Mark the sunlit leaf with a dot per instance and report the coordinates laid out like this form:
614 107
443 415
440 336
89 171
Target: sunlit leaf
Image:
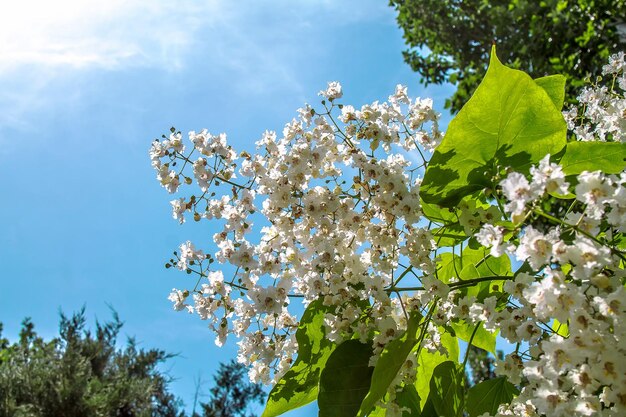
554 86
427 362
609 157
483 339
299 385
389 363
446 389
510 121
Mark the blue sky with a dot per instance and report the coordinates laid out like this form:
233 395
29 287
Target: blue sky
84 89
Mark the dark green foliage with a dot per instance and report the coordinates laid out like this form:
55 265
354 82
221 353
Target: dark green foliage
84 374
81 373
487 396
346 379
232 393
450 40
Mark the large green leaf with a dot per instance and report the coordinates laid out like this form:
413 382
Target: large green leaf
554 85
427 362
378 412
482 338
487 396
510 121
298 386
389 363
428 410
345 380
486 264
446 389
609 157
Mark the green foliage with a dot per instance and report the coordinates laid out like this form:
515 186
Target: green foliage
232 392
82 374
446 389
560 328
448 236
449 40
427 362
554 86
486 396
510 121
391 360
299 385
609 157
345 381
482 338
409 398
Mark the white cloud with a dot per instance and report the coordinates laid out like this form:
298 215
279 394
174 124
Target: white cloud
51 50
111 34
98 33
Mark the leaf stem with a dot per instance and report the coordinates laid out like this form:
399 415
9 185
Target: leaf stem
469 343
458 284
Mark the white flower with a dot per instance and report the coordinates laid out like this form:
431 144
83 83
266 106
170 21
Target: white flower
594 190
333 91
536 247
491 236
518 192
549 177
189 255
178 298
400 95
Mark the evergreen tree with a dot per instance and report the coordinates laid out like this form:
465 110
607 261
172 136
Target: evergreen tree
83 374
232 393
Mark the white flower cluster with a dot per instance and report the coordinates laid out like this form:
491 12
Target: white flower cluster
320 238
601 114
580 372
340 221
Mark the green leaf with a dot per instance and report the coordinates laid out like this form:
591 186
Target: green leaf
448 266
409 398
391 360
427 362
487 396
378 412
482 338
554 86
446 389
478 263
448 236
561 329
510 121
474 263
438 214
345 380
298 386
609 157
428 409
